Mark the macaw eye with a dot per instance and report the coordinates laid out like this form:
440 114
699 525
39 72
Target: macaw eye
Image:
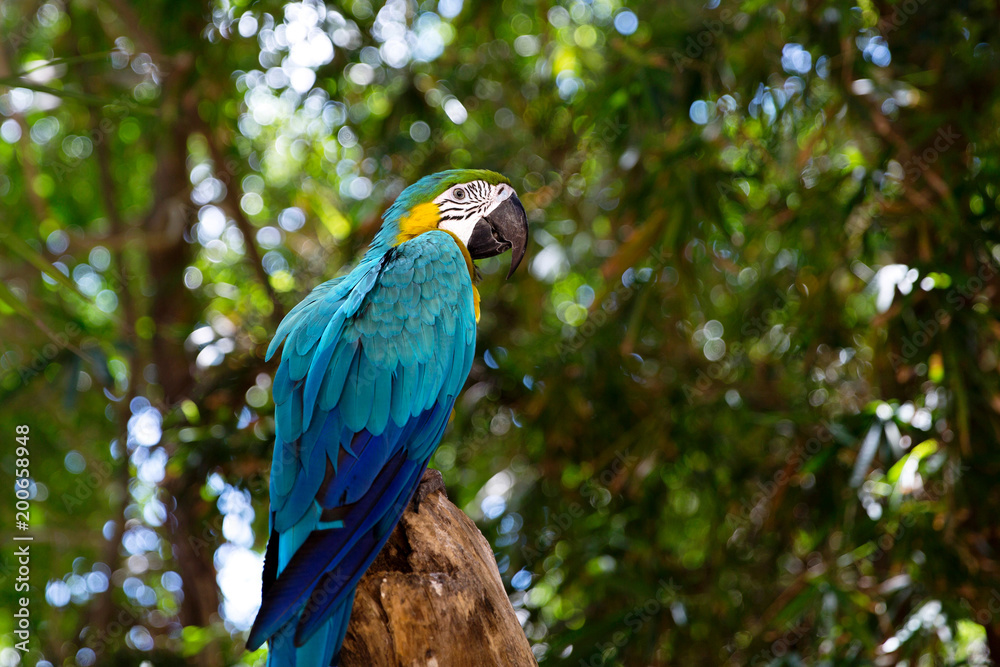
459 194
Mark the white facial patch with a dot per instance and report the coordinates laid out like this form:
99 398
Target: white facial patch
462 206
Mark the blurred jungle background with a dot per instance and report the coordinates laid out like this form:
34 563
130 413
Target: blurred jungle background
741 408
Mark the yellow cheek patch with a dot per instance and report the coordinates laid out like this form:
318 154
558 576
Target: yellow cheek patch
423 218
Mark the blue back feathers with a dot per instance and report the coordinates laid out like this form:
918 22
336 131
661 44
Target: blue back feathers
371 366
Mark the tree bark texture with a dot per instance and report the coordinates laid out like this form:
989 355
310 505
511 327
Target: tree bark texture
433 597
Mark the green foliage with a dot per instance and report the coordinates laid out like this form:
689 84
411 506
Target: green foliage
742 406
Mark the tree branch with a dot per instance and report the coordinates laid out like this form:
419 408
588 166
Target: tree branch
434 595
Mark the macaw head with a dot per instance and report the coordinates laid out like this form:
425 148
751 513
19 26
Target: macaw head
478 207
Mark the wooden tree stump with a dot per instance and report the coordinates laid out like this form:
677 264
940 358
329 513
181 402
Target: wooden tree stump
433 597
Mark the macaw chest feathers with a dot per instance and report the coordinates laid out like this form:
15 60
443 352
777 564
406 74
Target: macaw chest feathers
424 218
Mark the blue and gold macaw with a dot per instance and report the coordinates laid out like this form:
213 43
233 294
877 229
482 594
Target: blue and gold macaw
371 367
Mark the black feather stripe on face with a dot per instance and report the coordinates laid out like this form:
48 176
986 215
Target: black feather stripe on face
477 199
460 215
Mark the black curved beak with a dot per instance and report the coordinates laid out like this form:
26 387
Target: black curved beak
506 228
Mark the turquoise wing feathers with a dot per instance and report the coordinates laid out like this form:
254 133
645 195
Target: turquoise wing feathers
371 366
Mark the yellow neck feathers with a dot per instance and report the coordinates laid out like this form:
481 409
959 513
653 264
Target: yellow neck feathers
424 218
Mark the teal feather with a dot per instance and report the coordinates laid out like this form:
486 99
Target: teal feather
419 273
400 402
307 481
374 348
341 440
433 377
405 275
390 293
297 534
282 479
409 295
333 380
298 364
320 363
413 325
448 318
381 403
423 342
367 326
411 386
355 402
301 341
429 310
288 418
456 370
397 349
405 353
282 386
